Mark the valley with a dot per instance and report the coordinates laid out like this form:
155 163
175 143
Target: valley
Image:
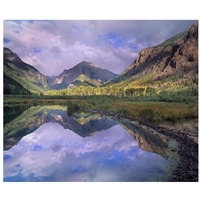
167 72
154 102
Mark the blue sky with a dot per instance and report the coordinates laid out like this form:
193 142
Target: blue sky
6 40
52 46
66 156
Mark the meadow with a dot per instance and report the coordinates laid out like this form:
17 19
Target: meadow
129 107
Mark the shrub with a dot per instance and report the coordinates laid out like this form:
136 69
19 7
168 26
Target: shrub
72 108
146 113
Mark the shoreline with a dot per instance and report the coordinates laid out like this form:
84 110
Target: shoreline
187 170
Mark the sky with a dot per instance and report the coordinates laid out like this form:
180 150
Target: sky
54 45
51 153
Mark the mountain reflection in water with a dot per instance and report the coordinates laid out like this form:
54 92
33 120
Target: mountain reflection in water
45 144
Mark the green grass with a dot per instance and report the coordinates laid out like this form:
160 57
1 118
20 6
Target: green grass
160 107
173 40
152 111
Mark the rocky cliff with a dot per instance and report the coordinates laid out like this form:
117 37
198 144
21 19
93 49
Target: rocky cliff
177 55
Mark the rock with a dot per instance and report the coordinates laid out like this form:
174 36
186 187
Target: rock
176 56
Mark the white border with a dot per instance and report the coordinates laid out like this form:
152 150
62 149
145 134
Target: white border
91 9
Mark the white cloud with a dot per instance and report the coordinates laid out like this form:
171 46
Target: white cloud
63 44
59 154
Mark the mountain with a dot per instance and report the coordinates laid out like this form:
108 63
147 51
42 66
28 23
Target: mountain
88 69
13 87
177 56
83 80
32 118
83 124
22 76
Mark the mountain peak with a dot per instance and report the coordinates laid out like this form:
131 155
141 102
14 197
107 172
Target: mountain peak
85 63
10 55
85 69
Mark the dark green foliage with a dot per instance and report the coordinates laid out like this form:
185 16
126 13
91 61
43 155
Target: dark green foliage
22 73
150 91
147 113
72 108
124 112
195 79
12 87
135 92
83 83
11 112
95 100
172 41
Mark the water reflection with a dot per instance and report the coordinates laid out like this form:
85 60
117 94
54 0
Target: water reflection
84 147
82 124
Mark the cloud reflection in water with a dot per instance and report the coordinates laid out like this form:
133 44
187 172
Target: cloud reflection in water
52 153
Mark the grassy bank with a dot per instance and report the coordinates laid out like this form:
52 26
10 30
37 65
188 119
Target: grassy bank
133 108
153 111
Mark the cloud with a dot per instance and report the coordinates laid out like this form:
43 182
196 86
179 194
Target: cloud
52 46
57 154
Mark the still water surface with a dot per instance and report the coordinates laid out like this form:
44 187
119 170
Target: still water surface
45 144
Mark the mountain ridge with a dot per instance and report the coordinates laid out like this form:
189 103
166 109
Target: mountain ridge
173 62
178 54
30 80
23 74
92 71
83 80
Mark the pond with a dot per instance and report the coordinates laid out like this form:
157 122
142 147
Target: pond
43 143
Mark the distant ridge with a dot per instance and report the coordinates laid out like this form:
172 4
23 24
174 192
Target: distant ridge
87 69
